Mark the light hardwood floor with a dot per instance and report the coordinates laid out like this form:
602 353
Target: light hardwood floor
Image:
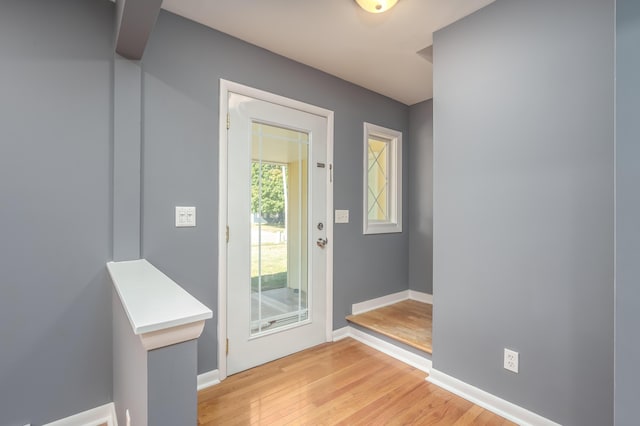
340 383
408 322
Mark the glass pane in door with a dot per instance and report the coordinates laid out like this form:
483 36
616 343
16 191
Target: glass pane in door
279 263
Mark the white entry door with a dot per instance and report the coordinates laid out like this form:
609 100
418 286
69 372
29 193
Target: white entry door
277 217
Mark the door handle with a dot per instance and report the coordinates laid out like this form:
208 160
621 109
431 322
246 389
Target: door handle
322 242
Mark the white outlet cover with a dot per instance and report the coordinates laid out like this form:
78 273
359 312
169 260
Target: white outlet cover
342 216
511 360
185 217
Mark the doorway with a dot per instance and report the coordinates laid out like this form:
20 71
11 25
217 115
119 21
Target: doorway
275 295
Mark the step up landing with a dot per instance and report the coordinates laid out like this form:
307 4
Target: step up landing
408 322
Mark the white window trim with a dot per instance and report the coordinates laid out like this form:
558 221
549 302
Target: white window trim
394 225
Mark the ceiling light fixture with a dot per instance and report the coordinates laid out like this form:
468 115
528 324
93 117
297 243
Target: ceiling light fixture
376 6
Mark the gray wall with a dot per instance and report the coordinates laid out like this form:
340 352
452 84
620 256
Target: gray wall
55 192
523 204
627 211
130 369
420 197
172 386
127 146
181 70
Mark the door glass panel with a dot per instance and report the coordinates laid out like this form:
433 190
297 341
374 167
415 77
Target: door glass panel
279 263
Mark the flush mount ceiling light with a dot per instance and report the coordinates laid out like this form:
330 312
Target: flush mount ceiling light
376 6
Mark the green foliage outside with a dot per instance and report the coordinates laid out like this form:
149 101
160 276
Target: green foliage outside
267 199
272 186
273 263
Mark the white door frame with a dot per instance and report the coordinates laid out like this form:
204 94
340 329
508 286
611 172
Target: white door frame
226 87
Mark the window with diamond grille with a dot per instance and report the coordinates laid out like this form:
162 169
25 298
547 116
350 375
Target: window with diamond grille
382 180
378 182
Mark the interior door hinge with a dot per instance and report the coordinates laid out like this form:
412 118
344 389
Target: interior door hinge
227 233
330 173
228 121
227 346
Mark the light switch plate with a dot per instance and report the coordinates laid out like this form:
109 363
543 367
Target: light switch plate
342 216
185 217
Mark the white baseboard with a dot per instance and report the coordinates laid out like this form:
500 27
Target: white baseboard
342 333
486 400
94 417
421 296
208 379
379 302
393 351
107 413
390 299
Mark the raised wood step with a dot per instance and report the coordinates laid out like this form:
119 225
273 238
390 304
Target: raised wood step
408 322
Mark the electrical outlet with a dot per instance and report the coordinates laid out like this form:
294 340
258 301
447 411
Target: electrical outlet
510 360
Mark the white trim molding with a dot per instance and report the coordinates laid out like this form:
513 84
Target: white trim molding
208 379
390 299
171 336
379 302
503 408
222 226
421 296
105 414
402 355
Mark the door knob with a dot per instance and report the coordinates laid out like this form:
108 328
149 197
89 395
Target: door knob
322 242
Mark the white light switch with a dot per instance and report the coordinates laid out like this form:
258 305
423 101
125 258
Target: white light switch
185 216
342 216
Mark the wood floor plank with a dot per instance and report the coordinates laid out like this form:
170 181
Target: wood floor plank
409 322
470 416
340 383
328 391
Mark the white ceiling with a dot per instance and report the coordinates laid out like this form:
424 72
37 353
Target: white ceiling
376 51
